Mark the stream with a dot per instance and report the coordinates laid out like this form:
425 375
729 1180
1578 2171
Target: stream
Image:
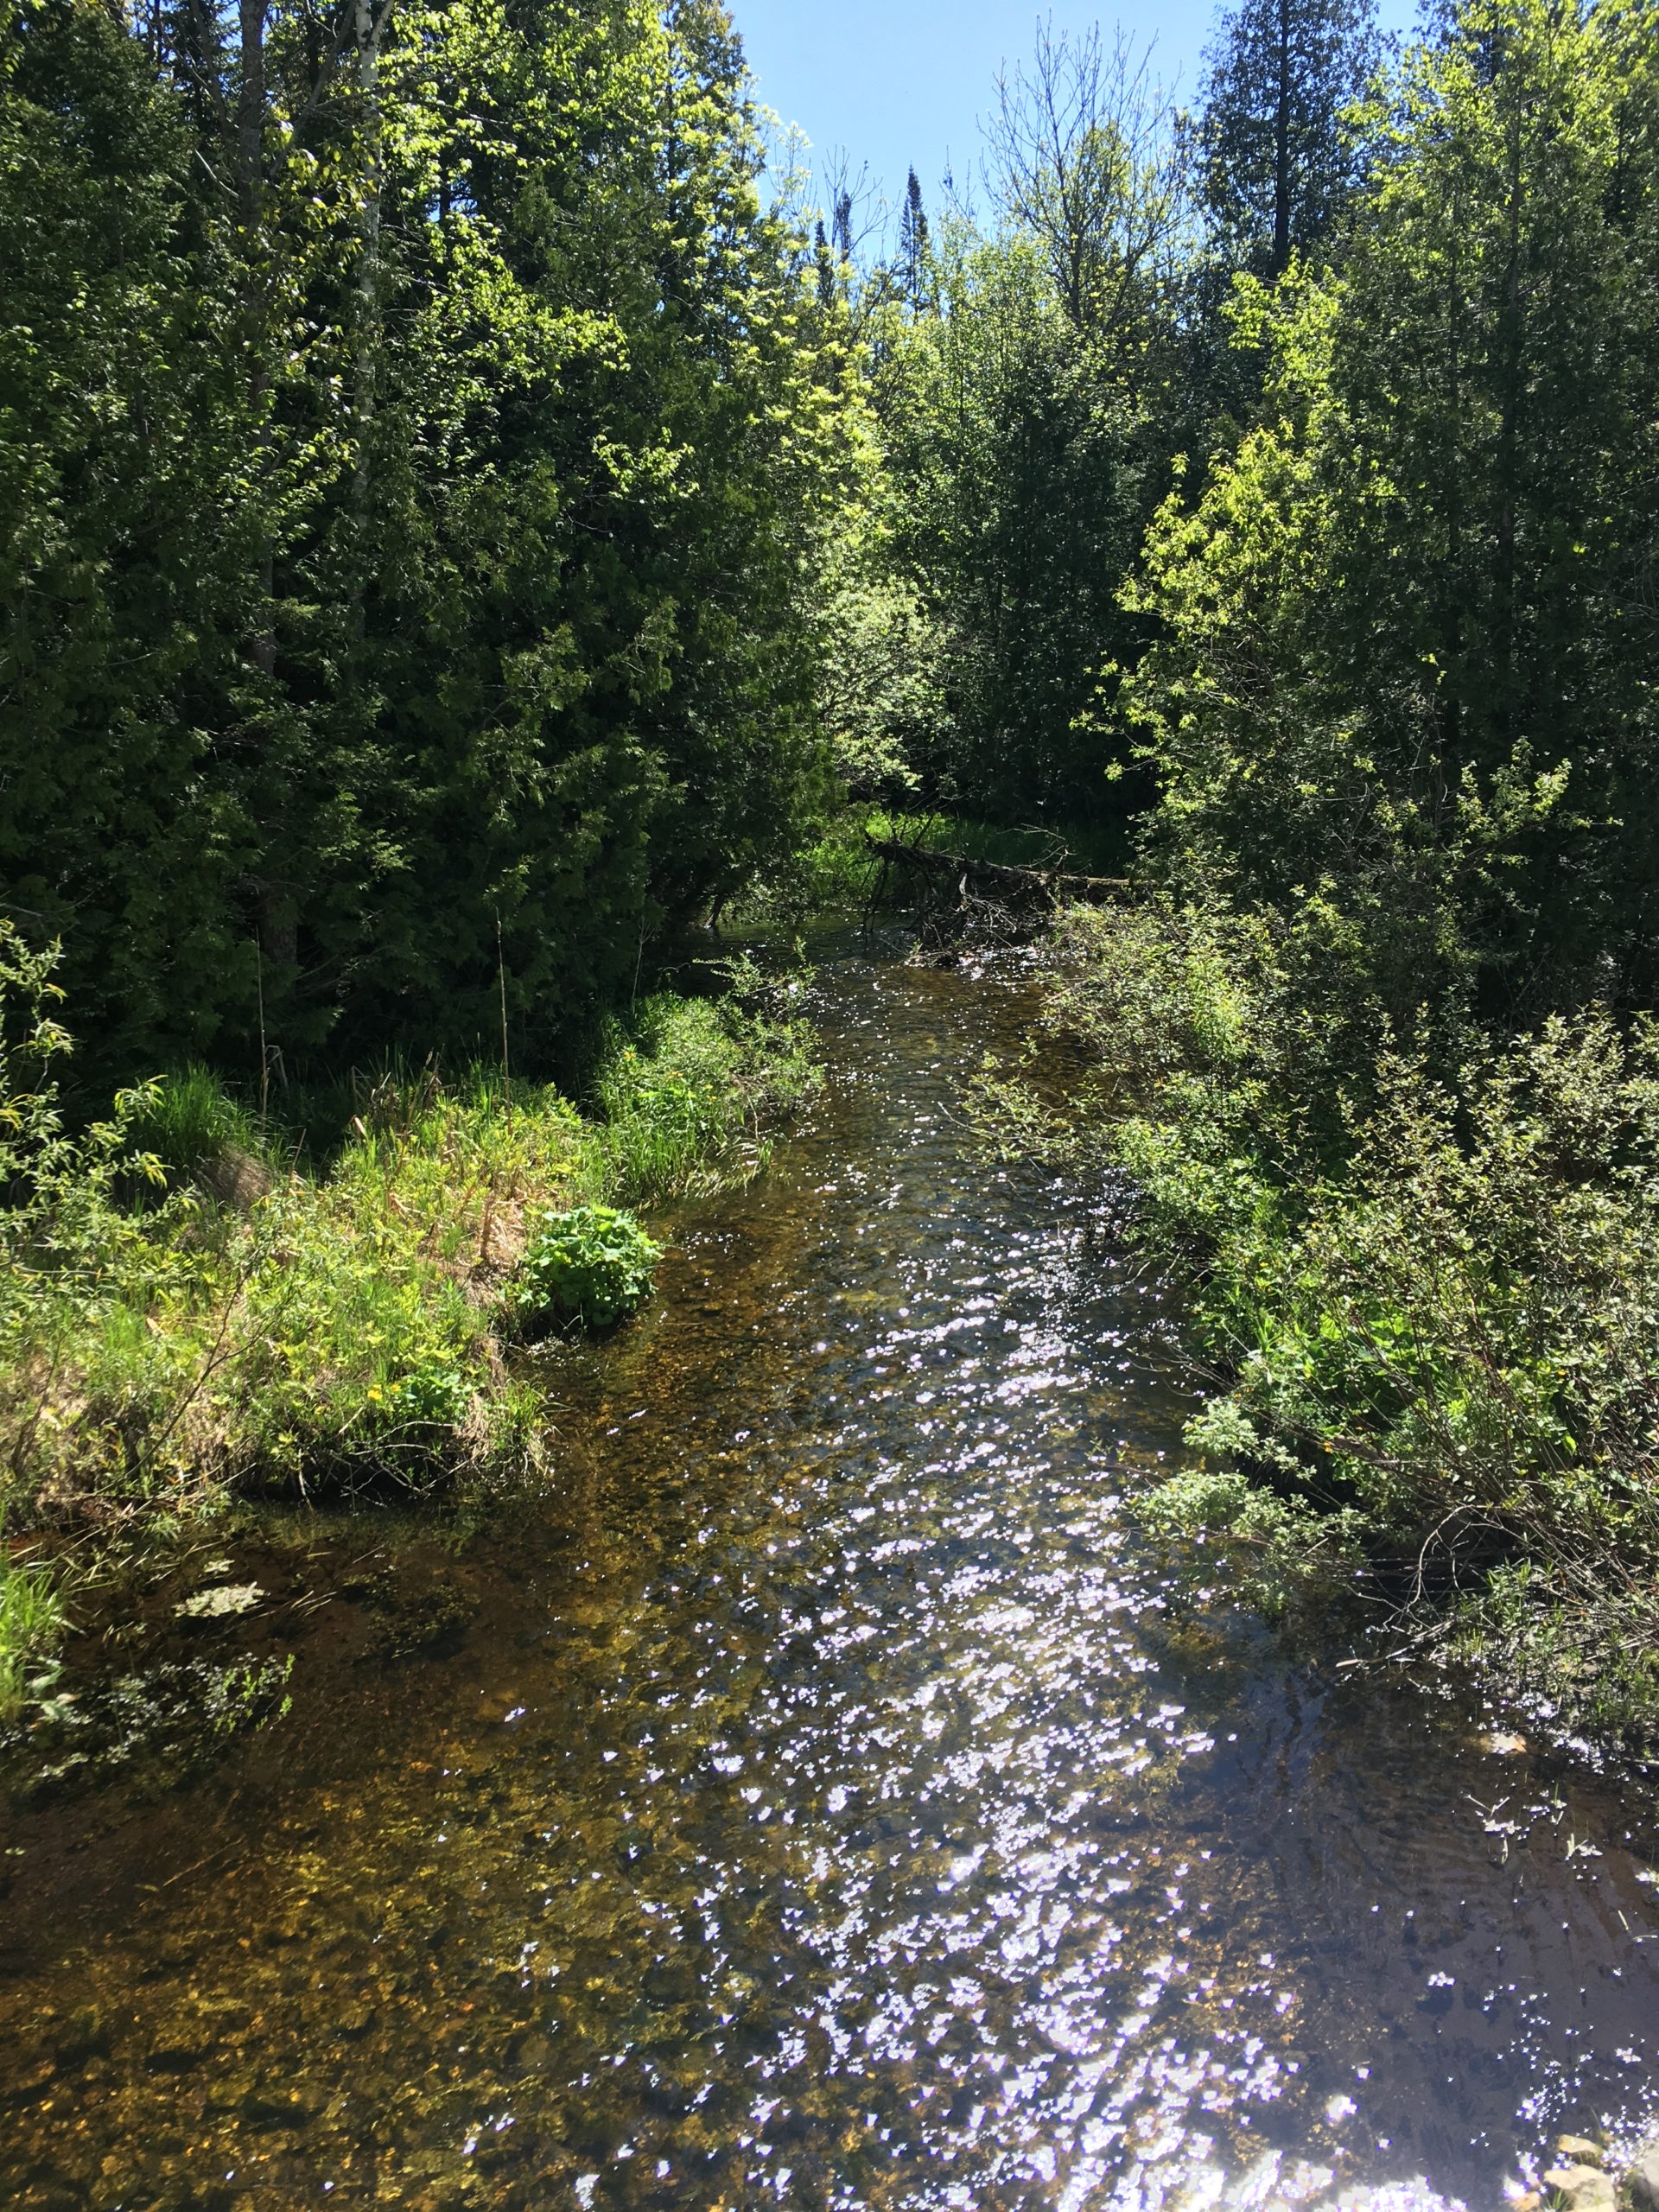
822 1795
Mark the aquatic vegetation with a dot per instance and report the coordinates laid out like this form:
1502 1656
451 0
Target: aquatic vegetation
593 1264
154 1729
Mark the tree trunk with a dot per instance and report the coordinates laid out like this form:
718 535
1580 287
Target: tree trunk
1281 149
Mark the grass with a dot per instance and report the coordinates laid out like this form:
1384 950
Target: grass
189 1315
31 1622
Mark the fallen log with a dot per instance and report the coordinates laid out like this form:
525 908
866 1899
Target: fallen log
996 880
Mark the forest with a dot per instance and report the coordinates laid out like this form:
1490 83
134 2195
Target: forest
474 510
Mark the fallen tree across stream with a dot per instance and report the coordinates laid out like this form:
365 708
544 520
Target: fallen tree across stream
993 896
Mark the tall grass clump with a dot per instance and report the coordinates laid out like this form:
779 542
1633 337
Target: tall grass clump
32 1620
1426 1273
688 1090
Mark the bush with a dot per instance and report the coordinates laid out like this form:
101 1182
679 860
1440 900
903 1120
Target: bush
594 1265
1431 1294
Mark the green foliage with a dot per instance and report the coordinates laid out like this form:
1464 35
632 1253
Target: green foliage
593 1264
1027 453
687 1087
1401 642
32 1619
1462 1328
1283 1551
188 1120
1436 1304
416 458
882 686
1278 165
336 1332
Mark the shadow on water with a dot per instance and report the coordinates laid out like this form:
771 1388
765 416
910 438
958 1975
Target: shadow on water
823 1798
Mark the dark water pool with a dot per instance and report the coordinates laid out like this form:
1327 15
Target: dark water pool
824 1798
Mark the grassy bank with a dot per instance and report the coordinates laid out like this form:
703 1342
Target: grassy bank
189 1313
1428 1281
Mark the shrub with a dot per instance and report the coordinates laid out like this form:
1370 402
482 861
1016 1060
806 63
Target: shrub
593 1264
1428 1279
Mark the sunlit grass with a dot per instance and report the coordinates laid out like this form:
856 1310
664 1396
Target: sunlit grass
274 1329
31 1622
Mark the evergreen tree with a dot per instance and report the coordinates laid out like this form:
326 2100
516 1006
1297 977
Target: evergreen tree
411 475
1278 166
841 233
913 247
1406 633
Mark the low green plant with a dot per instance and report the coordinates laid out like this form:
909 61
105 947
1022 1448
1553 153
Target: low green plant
689 1089
32 1621
171 1332
593 1264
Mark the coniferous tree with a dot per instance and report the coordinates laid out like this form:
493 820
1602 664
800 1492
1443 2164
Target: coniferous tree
913 246
1277 165
410 477
1406 633
825 265
840 229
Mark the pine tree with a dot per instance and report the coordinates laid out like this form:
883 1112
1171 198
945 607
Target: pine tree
840 229
913 246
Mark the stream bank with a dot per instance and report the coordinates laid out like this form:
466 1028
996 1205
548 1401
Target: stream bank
322 1322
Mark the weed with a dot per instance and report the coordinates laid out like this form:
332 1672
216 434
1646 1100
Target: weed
594 1265
253 1325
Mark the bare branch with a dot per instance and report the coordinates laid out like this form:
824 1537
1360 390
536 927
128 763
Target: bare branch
1085 155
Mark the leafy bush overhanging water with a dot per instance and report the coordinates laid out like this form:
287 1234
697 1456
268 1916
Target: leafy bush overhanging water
1435 1295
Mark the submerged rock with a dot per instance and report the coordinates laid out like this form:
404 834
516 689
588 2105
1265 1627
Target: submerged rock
1582 2189
1642 2182
1578 2151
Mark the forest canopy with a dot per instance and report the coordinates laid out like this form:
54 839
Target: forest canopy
417 441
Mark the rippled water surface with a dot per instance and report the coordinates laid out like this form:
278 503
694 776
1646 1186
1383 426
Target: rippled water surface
825 1798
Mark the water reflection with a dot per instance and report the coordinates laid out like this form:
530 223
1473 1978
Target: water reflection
835 1804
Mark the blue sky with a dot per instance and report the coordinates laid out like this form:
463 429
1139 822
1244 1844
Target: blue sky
903 82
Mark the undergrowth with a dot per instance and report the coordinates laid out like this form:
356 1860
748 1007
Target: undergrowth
1426 1274
186 1314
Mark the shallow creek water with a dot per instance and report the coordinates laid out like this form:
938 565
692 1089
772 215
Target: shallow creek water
825 1797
